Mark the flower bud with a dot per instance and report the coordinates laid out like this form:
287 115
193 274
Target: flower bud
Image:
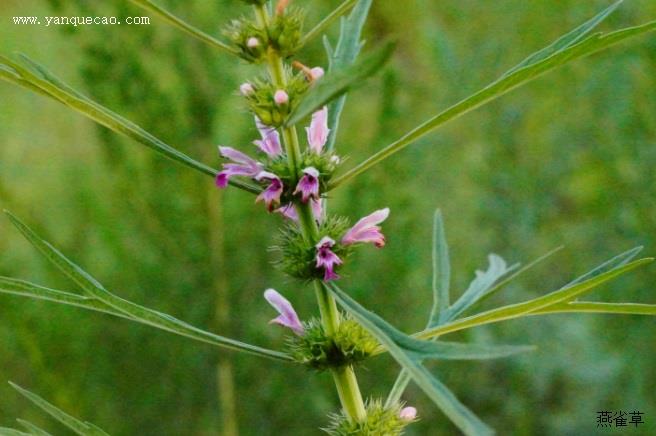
252 42
281 97
246 89
317 73
408 414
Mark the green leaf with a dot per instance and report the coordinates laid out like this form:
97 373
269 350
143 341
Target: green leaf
347 50
79 427
396 342
616 262
483 282
4 431
566 40
183 25
35 77
497 287
516 77
599 307
327 21
441 270
33 429
337 82
528 307
124 307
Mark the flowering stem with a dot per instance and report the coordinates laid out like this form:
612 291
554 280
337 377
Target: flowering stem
345 379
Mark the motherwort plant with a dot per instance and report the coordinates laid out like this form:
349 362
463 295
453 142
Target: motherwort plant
291 172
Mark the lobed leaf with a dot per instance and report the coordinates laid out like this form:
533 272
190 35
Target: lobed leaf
557 54
35 77
535 305
347 50
483 282
396 343
337 82
116 305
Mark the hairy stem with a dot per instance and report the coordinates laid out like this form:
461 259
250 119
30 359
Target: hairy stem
345 379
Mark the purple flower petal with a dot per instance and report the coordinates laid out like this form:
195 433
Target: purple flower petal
367 230
270 142
317 133
288 317
271 195
242 165
327 259
308 186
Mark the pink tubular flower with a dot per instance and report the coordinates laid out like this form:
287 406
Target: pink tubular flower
270 142
326 259
308 186
281 97
289 211
367 230
242 165
317 133
271 195
408 414
288 317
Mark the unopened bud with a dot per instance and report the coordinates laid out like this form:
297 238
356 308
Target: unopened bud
246 89
408 413
316 73
281 97
253 42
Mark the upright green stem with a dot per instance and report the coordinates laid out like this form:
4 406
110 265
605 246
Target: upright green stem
345 379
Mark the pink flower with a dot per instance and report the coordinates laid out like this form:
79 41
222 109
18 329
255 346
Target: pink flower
281 97
271 195
242 165
308 186
288 317
317 133
252 42
246 89
270 142
316 73
367 230
408 414
326 259
289 210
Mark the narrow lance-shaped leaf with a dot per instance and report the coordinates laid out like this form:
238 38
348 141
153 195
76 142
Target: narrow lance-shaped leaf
337 82
505 84
131 310
616 262
327 21
33 429
4 431
79 427
599 307
347 50
37 78
441 270
393 341
566 40
183 25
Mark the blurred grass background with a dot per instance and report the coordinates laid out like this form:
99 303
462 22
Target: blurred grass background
567 160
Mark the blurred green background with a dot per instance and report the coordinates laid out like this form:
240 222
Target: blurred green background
569 159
